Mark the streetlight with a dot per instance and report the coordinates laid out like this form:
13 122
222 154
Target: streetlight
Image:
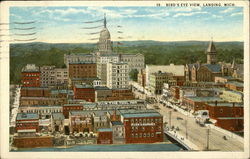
208 133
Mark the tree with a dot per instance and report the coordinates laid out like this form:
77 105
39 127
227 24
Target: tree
133 74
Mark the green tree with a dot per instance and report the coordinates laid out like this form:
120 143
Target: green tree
133 74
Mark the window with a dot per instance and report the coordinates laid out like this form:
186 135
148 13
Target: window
143 128
144 135
221 110
136 135
140 135
132 120
148 135
152 134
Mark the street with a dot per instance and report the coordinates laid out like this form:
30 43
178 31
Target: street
198 135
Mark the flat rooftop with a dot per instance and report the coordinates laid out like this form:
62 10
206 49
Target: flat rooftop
27 116
226 104
238 84
206 99
134 113
83 86
104 130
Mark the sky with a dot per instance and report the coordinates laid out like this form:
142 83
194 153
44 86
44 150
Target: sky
65 24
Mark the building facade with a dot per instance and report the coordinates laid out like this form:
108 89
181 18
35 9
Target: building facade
35 92
82 70
157 80
61 76
117 75
142 126
31 76
27 123
228 116
141 78
85 92
80 121
176 70
47 76
105 136
118 132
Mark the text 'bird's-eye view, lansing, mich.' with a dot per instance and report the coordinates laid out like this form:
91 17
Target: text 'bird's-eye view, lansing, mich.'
126 79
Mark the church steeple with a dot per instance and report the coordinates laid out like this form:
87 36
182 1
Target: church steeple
211 53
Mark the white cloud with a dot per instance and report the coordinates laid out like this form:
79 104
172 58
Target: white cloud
228 10
186 9
236 14
188 14
217 16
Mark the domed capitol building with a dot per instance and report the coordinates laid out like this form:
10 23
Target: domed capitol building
106 59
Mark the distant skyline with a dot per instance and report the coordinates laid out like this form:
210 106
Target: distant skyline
64 24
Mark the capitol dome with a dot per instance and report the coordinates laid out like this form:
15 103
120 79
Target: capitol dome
104 34
105 44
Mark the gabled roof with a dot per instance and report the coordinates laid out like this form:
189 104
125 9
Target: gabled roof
213 67
211 47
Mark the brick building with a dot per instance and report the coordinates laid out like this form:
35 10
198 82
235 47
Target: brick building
71 107
35 92
175 92
32 142
141 78
82 70
85 92
228 116
30 76
105 136
27 123
142 126
29 101
198 103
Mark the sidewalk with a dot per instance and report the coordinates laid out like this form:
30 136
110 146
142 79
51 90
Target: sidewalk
182 140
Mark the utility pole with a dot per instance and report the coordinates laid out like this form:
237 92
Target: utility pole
170 113
186 122
208 131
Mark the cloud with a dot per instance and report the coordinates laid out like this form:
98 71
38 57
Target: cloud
186 9
228 10
236 14
188 14
217 16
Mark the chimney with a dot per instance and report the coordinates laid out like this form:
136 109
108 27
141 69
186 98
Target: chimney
216 103
114 115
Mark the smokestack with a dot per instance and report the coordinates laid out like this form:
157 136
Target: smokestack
216 103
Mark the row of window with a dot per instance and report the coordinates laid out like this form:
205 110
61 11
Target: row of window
136 128
31 75
142 135
77 67
146 120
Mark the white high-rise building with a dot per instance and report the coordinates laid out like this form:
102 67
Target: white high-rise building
117 75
